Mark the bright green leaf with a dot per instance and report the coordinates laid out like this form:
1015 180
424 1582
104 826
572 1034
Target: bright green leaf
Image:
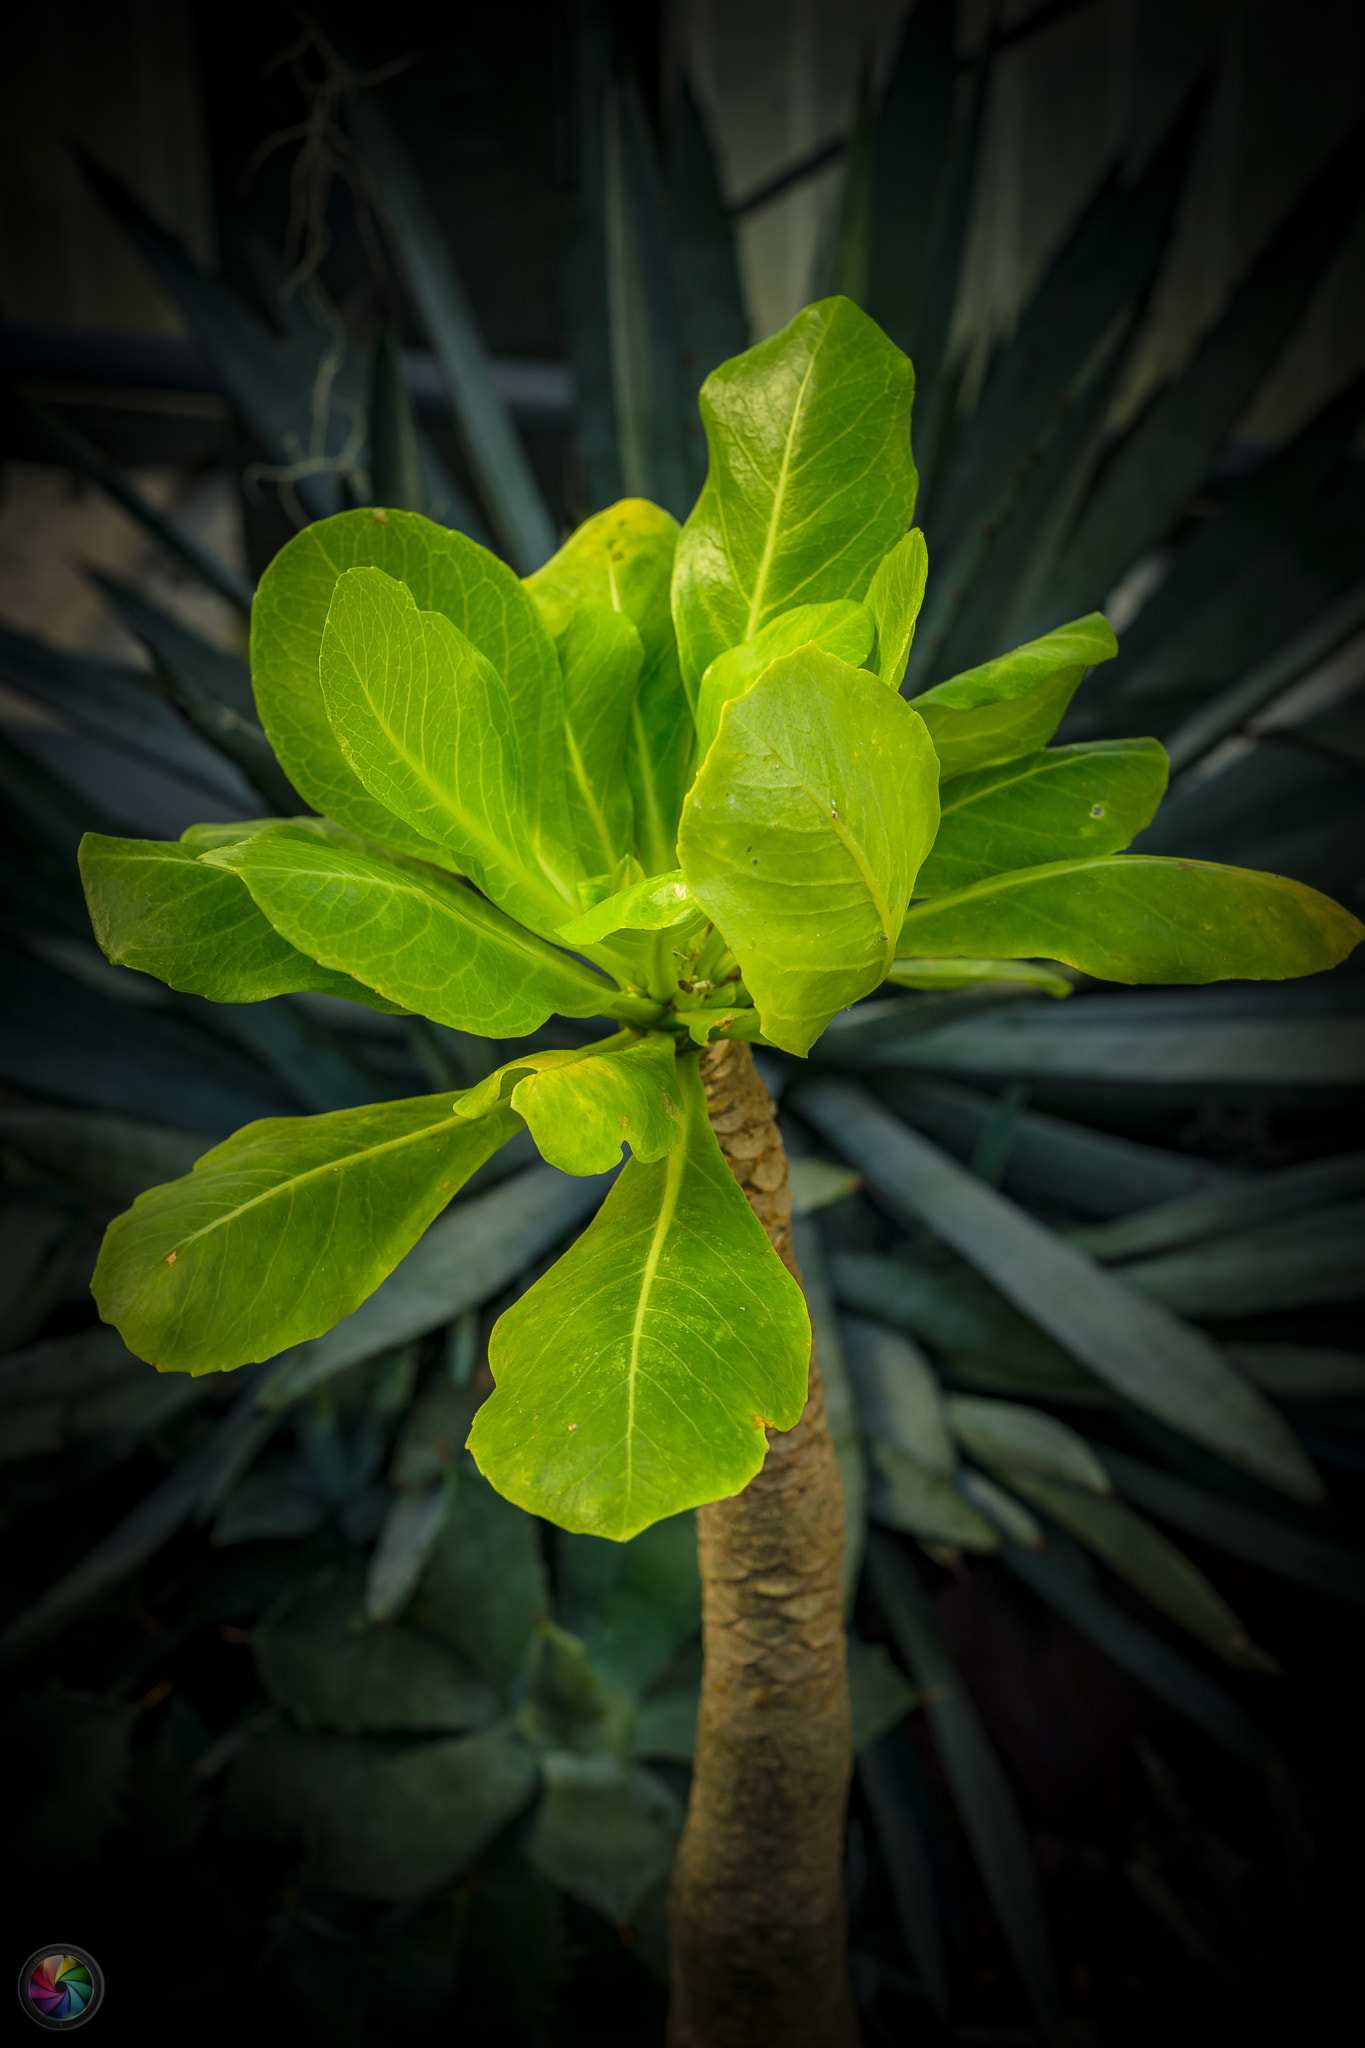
1135 917
945 974
894 597
283 1230
811 479
624 558
1059 804
803 834
427 723
428 942
660 757
156 907
601 655
638 1377
220 833
656 904
841 628
582 1106
445 572
1014 704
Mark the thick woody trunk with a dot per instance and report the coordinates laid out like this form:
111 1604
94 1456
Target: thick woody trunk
756 1916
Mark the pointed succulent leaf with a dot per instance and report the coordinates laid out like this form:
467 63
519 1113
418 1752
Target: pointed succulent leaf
1135 917
282 1231
601 655
894 597
1149 1561
445 572
1008 1436
841 628
582 1106
1057 804
639 1376
403 1546
810 482
1000 1508
1163 1365
655 905
908 1495
897 1395
427 724
1014 704
429 943
803 834
155 907
946 974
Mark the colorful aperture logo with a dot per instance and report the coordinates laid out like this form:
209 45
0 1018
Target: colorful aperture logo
61 1987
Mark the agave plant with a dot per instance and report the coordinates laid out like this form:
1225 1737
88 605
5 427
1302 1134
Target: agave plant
954 1447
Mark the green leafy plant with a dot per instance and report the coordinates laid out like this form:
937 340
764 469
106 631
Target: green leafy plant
509 831
943 1314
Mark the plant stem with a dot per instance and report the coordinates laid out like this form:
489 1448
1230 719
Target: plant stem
756 1919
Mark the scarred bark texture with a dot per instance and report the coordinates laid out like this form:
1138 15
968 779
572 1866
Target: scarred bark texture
756 1918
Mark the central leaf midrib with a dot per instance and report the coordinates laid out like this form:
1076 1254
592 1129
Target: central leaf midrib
673 1173
516 938
828 813
779 494
328 1166
585 786
496 850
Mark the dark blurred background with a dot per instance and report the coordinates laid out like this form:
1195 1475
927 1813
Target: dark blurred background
202 112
